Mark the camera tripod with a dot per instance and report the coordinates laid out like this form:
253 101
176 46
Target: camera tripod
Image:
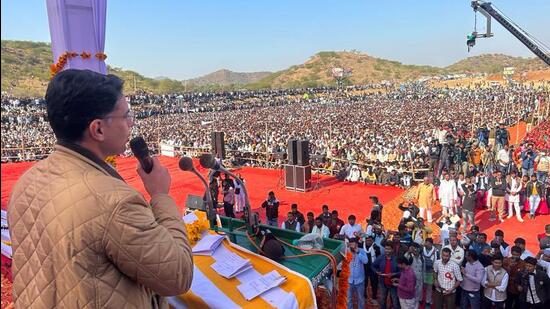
281 183
318 185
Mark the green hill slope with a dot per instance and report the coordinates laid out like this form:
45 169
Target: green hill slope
25 71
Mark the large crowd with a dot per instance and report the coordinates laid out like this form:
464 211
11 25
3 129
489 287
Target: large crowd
376 129
456 139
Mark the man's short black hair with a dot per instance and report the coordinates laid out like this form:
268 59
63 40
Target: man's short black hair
472 254
325 206
294 206
351 217
519 240
75 98
447 250
499 233
516 249
403 260
497 257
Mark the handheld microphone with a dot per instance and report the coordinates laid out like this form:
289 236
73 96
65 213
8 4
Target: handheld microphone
209 161
186 164
141 152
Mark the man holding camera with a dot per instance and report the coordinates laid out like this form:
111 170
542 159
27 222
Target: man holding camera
528 157
271 205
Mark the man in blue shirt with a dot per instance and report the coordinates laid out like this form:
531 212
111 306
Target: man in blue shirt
385 266
356 278
480 244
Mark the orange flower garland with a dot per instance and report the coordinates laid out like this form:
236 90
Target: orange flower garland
101 56
62 60
343 283
111 160
6 295
196 228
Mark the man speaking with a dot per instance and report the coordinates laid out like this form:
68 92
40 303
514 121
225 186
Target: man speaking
81 237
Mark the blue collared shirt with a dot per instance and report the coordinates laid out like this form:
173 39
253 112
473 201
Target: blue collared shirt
357 267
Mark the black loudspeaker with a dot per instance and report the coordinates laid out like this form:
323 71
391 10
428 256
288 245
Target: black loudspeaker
194 202
292 153
302 175
303 153
289 177
298 177
218 144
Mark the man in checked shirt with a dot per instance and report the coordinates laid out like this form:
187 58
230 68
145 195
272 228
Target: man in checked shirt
448 278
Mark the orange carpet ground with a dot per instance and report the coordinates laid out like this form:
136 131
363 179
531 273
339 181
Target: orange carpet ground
346 197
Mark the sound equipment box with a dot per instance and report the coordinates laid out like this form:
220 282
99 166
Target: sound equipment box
218 144
292 154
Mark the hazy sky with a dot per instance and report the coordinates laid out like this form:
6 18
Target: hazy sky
187 38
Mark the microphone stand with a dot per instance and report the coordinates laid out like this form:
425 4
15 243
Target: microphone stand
207 199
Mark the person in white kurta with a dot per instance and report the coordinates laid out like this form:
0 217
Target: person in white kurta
447 195
512 196
239 196
354 174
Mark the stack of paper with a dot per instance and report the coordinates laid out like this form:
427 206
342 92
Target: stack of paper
208 244
231 265
254 288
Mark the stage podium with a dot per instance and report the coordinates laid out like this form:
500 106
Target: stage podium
298 178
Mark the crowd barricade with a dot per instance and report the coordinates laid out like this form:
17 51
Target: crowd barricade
18 154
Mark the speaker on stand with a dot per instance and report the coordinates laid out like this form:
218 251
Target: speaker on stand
302 147
218 144
292 152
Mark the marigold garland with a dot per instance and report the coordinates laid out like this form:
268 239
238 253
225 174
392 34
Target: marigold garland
111 160
101 56
343 283
6 295
63 58
195 229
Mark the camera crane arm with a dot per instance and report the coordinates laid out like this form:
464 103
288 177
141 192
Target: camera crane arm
488 11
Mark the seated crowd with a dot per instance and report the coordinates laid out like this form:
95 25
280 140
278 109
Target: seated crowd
382 128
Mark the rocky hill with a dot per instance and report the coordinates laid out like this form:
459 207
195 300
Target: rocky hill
494 63
25 71
226 77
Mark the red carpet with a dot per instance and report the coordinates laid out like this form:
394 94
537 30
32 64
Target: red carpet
347 198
